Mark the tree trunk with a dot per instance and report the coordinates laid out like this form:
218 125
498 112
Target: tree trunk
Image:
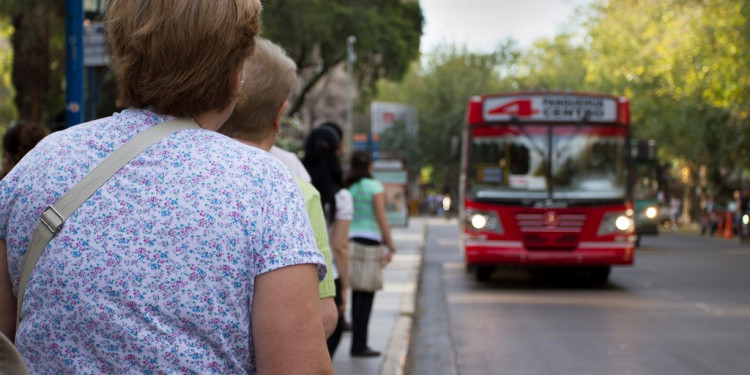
689 198
31 62
309 84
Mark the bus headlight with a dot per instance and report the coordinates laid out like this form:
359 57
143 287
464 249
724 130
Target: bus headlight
478 221
623 223
616 222
652 212
483 221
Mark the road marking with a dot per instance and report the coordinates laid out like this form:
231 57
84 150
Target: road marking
711 310
736 252
594 300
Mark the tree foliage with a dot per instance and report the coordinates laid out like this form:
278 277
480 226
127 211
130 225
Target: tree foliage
553 64
440 89
38 58
314 34
682 63
7 92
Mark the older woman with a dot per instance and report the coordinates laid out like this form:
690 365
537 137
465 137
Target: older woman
197 256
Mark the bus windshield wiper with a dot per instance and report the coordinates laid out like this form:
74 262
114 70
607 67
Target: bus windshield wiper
567 144
521 129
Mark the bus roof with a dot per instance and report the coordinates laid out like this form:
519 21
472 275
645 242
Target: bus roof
530 106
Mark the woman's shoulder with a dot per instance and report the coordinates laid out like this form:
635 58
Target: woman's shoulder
372 184
245 161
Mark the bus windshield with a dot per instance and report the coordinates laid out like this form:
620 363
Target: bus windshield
581 163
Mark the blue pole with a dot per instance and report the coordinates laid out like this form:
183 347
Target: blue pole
74 62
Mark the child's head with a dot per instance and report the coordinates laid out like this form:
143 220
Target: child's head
269 76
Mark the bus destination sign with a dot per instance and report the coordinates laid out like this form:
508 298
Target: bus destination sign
554 108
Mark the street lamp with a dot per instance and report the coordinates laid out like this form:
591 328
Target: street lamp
350 58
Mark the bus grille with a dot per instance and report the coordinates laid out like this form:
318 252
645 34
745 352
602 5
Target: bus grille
539 233
566 223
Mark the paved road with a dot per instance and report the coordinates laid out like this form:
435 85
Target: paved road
683 309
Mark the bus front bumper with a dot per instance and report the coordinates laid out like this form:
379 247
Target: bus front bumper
589 253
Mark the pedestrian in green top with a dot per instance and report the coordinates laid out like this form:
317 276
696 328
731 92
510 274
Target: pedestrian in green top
368 227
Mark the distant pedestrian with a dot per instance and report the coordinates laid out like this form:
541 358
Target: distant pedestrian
674 211
369 230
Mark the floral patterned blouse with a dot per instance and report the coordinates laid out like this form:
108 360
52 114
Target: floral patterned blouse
154 274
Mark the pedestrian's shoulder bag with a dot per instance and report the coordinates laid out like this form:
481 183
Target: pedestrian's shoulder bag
54 217
365 270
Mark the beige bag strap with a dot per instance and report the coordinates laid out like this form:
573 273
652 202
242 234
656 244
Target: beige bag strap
54 216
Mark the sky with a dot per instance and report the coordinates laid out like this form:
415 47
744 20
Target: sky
481 25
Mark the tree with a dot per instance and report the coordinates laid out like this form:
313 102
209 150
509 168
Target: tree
38 45
553 64
7 92
314 33
683 65
440 90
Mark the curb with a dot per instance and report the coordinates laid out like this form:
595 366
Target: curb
394 360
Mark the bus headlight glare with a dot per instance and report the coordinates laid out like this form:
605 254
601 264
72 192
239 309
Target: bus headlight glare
651 212
623 223
483 221
616 223
478 221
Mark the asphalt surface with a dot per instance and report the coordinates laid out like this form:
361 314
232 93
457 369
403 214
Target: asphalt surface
682 309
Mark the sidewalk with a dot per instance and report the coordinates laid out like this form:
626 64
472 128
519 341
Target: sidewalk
392 312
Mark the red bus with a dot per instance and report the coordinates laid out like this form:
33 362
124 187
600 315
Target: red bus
545 181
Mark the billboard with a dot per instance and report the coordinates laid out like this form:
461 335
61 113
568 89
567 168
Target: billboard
384 115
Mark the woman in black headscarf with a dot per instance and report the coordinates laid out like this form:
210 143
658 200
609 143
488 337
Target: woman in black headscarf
322 148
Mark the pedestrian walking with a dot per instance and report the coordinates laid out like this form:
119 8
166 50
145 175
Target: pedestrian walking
197 255
674 211
371 242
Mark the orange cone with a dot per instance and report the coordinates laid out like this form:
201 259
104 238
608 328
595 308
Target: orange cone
728 226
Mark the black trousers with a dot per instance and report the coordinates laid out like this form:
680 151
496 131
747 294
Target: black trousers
333 340
361 309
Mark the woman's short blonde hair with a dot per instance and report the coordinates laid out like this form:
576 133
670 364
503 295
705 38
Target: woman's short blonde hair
180 57
269 77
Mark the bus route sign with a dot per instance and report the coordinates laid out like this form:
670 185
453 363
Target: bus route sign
550 108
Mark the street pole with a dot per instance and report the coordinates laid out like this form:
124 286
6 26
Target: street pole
74 62
350 58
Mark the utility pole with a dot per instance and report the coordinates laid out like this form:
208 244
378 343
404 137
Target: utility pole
350 58
74 62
